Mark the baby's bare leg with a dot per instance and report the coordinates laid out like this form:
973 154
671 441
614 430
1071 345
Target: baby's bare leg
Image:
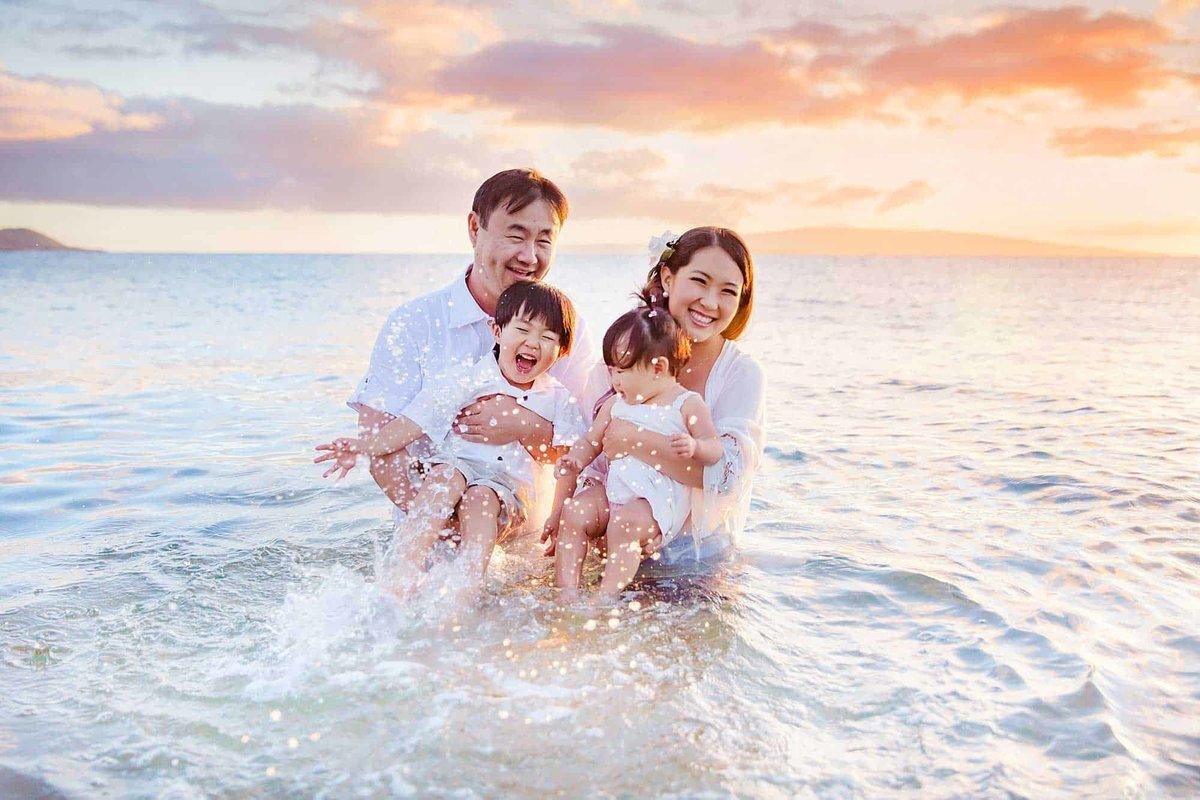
583 516
631 531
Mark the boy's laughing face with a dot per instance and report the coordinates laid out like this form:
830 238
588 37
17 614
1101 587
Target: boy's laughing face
528 347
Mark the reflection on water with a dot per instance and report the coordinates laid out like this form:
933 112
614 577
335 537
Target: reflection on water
971 568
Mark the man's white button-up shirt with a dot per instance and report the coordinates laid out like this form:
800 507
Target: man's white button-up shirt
439 330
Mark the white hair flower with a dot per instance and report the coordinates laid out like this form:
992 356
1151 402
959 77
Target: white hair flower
661 247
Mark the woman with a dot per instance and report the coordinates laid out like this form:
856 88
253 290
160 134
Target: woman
705 280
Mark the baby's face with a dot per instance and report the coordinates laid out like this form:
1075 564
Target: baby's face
637 383
527 349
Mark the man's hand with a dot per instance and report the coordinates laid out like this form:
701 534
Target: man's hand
344 453
683 445
490 420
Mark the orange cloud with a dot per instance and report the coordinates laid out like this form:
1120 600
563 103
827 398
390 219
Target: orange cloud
642 80
1179 8
1162 140
1105 60
909 194
844 196
45 109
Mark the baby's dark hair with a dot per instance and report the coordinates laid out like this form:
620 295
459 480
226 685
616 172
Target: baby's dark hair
644 334
540 301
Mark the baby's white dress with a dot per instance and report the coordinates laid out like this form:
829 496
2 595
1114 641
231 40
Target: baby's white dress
629 478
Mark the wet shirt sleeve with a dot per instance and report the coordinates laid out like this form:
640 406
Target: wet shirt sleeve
395 374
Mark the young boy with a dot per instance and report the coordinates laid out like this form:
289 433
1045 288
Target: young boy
534 325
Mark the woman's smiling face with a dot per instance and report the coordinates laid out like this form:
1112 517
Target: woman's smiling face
703 294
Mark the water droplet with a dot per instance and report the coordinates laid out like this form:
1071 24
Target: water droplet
293 743
276 715
614 622
590 625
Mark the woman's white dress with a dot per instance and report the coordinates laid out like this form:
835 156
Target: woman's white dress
630 479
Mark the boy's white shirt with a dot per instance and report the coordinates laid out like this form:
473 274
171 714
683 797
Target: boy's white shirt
436 331
436 406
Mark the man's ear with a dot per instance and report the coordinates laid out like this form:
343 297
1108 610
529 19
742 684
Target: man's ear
473 226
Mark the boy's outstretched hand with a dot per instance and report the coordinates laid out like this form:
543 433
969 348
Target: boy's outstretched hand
344 453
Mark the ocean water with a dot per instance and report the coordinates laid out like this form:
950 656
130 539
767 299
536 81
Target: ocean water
971 568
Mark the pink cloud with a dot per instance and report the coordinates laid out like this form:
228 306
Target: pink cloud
640 80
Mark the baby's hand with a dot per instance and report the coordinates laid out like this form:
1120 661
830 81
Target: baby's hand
550 531
567 465
683 445
344 453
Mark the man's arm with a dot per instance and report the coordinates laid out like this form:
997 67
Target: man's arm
395 373
500 419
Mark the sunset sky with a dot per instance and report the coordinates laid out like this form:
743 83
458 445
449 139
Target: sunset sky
366 126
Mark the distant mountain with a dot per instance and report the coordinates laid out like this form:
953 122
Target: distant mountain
892 242
25 239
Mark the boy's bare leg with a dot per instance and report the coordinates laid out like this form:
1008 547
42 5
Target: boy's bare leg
432 506
583 516
479 523
631 531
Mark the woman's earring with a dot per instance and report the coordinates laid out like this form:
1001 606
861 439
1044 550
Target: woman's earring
665 295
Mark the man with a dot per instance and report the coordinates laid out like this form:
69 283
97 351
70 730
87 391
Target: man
513 226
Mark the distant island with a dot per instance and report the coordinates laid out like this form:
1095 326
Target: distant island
897 242
25 239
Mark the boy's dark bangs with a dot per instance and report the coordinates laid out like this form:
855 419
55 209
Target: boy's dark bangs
538 302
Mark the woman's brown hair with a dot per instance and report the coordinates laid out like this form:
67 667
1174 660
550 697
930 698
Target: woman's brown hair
681 253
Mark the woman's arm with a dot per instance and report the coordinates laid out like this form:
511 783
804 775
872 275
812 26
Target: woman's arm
701 441
623 438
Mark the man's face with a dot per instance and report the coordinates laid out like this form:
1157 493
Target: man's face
515 246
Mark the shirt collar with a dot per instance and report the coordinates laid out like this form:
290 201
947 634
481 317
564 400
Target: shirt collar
463 308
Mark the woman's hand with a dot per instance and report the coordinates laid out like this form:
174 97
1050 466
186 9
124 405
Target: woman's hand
620 438
344 453
683 445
